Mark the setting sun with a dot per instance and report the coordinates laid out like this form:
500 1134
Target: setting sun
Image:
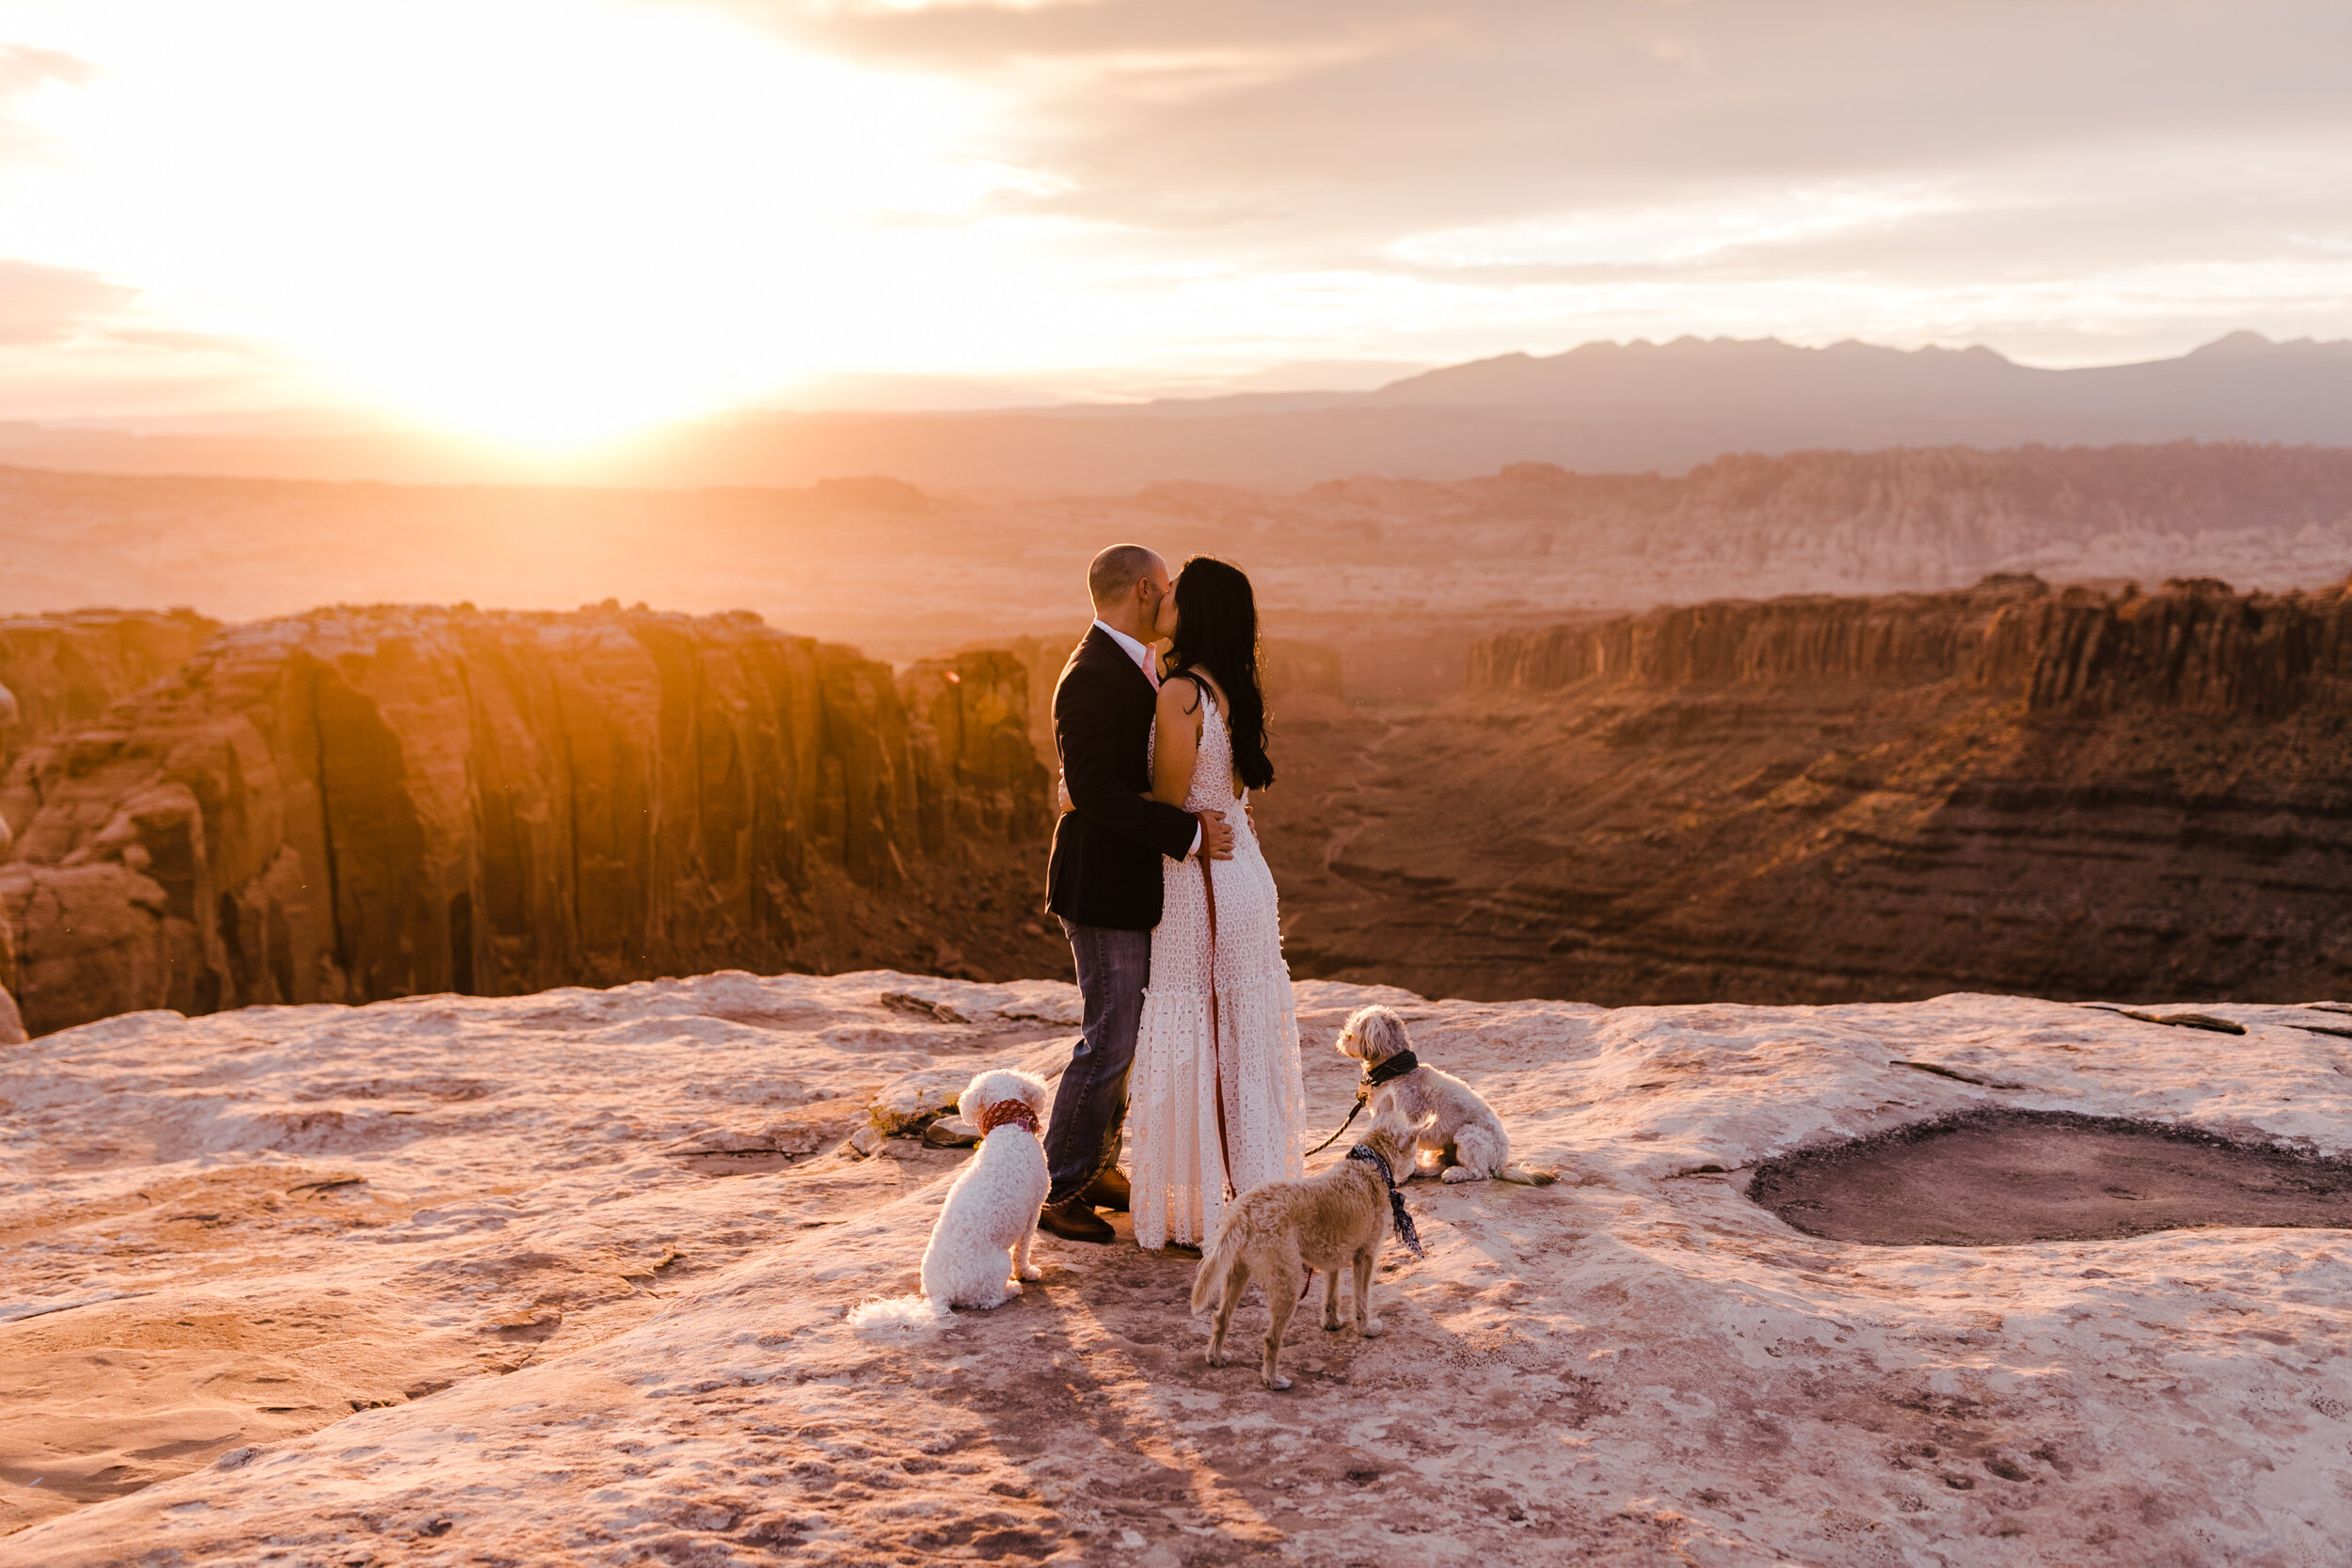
542 221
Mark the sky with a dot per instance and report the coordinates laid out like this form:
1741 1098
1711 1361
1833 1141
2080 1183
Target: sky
560 219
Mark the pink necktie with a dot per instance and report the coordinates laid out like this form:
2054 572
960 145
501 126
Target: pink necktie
1150 669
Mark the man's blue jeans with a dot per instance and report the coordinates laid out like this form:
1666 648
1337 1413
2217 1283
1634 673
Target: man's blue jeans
1090 1104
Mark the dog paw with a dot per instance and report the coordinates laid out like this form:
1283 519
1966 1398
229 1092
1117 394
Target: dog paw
1216 1358
1370 1328
1032 1272
1012 1288
1330 1325
1277 1383
1462 1173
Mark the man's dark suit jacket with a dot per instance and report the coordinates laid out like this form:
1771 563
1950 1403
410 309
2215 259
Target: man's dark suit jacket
1105 869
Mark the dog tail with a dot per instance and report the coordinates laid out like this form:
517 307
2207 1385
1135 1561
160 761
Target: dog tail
1525 1178
1208 1282
897 1317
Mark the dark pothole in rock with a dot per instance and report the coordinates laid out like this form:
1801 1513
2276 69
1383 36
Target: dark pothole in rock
2002 1178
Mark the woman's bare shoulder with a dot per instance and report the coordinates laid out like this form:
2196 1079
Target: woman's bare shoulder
1178 695
1194 681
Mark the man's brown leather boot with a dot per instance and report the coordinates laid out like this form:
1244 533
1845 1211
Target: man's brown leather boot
1106 1191
1074 1221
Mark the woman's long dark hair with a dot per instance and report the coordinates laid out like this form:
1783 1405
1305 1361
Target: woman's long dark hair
1216 631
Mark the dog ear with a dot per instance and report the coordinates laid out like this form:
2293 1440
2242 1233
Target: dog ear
968 1104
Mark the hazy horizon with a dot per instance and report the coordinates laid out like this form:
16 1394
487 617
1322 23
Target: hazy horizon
916 394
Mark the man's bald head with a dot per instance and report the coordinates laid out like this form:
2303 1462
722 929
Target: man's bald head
1111 579
1127 583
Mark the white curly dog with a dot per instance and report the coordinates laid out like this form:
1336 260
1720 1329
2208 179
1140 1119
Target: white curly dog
979 1248
1453 1127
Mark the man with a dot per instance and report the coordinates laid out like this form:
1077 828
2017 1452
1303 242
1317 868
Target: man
1104 880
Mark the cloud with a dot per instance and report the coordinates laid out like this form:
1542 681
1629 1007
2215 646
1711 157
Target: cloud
42 305
23 71
1441 177
1318 127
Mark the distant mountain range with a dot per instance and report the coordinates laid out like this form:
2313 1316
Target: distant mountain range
1603 407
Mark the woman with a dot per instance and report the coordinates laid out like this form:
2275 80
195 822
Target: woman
1217 1104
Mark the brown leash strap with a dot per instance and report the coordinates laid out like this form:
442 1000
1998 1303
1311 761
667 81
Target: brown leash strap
1217 1043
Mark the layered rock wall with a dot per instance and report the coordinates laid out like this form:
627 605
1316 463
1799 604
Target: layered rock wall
366 803
2195 644
61 670
1896 639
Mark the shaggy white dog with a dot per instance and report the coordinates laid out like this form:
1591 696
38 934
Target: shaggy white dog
1454 1127
979 1247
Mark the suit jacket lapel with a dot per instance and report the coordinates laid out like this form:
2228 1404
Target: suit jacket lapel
1099 641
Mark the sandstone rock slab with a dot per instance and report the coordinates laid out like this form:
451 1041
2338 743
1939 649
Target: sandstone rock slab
1638 1364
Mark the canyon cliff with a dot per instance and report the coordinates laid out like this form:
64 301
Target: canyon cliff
363 803
62 670
2005 788
57 671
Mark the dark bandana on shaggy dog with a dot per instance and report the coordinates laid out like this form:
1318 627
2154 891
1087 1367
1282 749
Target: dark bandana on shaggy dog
1405 1231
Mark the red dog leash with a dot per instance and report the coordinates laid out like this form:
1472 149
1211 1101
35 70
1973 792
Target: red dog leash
1217 1043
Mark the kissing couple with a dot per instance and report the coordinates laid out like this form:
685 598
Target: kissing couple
1159 880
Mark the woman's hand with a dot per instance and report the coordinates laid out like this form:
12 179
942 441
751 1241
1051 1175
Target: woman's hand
1216 836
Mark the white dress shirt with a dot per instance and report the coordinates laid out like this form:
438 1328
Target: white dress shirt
1136 651
1142 656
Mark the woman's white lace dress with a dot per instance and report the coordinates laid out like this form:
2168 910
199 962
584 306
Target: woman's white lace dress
1177 1177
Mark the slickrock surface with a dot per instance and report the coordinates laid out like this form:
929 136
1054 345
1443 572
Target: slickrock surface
2065 794
358 803
501 1230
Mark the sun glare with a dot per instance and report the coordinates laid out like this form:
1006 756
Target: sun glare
585 217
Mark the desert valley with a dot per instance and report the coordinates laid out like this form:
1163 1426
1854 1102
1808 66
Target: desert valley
1491 786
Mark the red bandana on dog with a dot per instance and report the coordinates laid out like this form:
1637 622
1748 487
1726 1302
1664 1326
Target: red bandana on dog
1008 1113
